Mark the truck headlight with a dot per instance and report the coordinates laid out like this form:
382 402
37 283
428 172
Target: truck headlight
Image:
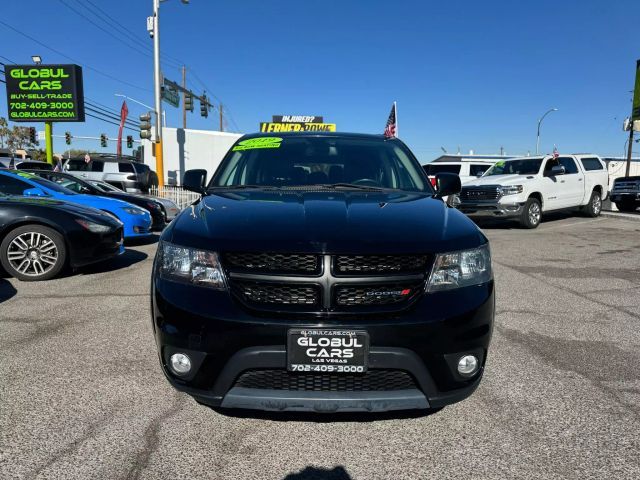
460 269
511 189
188 265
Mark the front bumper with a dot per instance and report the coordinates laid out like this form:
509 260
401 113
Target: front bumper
88 247
625 197
224 340
137 227
491 209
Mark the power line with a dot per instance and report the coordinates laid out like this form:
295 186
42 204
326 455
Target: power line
110 116
108 121
88 67
227 109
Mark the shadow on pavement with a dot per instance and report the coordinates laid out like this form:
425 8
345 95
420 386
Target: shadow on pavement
326 417
128 258
512 224
314 473
138 241
6 290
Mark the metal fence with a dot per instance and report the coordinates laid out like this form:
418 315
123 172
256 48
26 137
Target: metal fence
183 198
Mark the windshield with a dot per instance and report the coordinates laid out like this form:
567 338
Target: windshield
303 161
105 187
522 166
51 185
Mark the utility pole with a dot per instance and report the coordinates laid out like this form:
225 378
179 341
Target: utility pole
184 97
635 115
221 125
629 151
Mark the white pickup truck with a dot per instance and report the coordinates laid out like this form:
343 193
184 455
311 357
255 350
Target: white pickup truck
525 188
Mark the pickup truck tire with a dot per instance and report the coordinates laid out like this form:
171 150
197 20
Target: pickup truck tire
626 206
531 213
594 207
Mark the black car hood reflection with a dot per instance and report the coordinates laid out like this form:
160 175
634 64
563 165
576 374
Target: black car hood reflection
333 222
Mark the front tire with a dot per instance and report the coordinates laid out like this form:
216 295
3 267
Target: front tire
531 213
626 206
594 207
33 252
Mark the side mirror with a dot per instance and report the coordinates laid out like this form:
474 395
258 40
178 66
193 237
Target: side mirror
195 180
34 192
558 170
447 184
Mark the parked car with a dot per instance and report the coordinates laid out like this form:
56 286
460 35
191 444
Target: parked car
467 170
25 164
136 220
525 188
626 193
40 236
282 289
169 207
124 173
78 185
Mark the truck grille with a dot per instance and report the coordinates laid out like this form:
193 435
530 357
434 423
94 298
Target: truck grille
373 380
473 194
273 262
379 264
325 283
364 295
259 293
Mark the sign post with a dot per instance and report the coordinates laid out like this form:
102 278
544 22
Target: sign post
635 115
45 93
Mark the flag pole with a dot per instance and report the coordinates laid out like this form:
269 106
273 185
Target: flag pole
395 107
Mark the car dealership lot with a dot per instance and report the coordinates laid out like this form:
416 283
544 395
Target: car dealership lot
82 395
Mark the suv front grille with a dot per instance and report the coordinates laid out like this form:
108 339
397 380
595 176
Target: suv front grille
472 194
379 264
261 293
365 295
373 380
273 262
622 186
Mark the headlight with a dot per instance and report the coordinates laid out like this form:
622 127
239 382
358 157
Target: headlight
511 189
460 269
94 227
187 265
134 210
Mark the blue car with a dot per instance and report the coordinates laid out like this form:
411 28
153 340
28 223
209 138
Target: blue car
137 221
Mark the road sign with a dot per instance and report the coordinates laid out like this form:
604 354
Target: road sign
171 96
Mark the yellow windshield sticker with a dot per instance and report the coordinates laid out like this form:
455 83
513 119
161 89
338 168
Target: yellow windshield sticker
260 142
500 163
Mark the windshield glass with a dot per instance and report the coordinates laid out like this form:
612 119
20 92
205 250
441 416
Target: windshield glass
51 185
522 166
105 187
302 161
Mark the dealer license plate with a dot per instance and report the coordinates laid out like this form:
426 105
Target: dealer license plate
331 351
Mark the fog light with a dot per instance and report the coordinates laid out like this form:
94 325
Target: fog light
467 365
180 363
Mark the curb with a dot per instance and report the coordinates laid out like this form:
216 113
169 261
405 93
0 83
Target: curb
621 216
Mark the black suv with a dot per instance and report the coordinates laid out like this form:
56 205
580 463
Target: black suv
322 272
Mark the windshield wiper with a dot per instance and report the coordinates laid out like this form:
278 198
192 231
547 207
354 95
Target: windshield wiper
348 185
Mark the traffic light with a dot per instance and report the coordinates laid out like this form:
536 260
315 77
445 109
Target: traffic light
145 126
188 102
129 141
32 135
103 140
67 138
204 106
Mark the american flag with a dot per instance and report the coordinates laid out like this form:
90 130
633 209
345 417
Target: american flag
391 129
555 152
87 158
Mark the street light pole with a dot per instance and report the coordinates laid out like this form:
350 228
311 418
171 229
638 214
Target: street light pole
157 92
539 122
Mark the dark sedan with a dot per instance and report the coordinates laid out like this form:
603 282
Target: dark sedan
40 236
81 186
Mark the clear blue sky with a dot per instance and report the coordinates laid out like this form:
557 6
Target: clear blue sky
467 73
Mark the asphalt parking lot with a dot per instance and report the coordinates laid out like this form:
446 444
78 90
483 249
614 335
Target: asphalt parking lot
82 395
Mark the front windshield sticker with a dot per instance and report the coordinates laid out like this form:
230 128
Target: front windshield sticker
26 175
261 142
500 163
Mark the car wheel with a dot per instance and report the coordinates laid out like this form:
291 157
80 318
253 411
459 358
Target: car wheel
33 252
594 207
626 206
531 213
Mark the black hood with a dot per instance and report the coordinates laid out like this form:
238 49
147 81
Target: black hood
324 222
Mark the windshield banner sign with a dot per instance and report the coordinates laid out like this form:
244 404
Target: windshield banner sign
45 93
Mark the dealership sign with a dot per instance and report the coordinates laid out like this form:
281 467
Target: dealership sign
297 123
44 93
